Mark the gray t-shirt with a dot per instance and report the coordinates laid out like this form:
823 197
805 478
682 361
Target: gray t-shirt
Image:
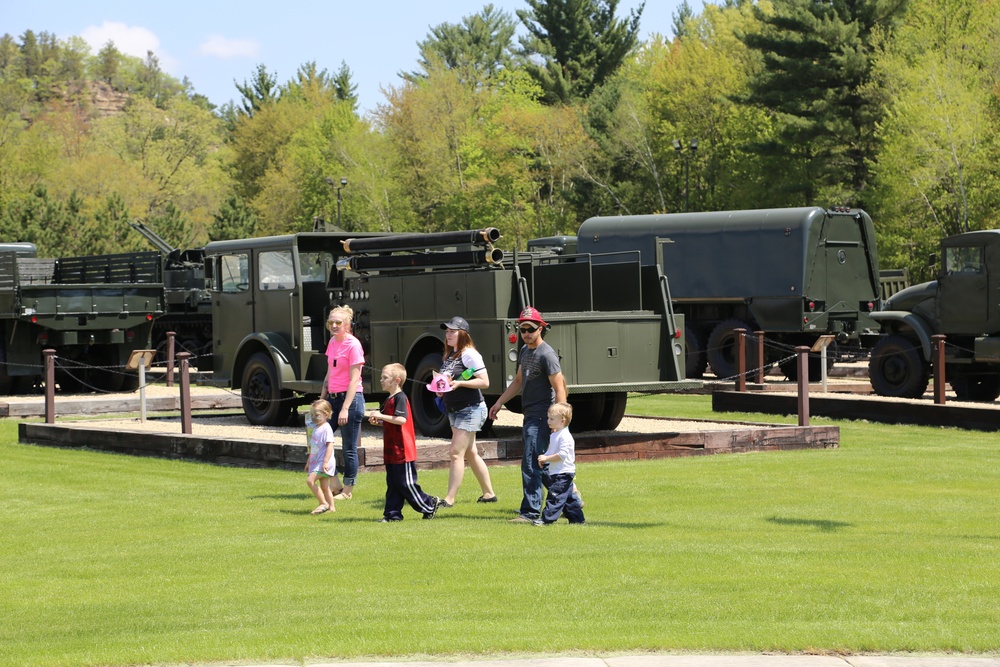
536 367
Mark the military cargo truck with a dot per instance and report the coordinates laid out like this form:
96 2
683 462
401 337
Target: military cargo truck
611 324
94 311
188 304
794 273
963 303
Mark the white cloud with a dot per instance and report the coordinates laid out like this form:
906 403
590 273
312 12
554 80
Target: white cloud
221 47
131 40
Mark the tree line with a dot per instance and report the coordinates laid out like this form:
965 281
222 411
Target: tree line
889 105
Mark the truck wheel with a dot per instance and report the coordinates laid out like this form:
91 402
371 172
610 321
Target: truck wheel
968 387
721 350
614 410
264 403
695 361
897 369
588 410
427 416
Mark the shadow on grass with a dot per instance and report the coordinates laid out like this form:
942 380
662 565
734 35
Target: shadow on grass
282 496
824 525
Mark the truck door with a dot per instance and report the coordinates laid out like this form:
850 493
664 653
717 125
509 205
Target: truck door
232 312
963 290
277 306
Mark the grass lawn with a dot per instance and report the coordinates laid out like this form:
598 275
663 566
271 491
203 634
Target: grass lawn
890 543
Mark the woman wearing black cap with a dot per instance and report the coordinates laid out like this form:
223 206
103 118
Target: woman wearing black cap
466 408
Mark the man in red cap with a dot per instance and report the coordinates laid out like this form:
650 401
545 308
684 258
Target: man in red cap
540 382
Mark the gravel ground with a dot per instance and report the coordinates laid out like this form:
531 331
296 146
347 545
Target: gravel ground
507 425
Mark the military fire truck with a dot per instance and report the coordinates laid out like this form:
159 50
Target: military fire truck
794 273
611 324
93 311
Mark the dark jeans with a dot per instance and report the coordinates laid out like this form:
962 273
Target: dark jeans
350 433
535 433
561 499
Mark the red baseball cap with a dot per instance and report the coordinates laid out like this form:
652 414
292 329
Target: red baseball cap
530 314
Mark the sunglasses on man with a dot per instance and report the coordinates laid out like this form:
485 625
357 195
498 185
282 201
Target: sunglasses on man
525 330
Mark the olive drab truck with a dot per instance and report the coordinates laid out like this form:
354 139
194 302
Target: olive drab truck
93 311
794 273
611 325
963 303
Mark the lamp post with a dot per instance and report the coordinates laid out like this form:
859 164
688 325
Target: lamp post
686 155
338 188
343 184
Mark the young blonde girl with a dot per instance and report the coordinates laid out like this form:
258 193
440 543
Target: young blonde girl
321 466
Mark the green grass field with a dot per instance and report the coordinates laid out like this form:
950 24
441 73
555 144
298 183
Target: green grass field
889 544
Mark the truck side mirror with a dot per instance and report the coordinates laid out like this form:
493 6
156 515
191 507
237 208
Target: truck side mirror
932 259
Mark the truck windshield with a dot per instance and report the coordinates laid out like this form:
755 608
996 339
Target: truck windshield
967 259
275 270
315 266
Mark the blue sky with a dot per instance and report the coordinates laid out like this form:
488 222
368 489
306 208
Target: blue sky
213 43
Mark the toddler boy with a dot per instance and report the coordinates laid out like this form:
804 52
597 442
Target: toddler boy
559 469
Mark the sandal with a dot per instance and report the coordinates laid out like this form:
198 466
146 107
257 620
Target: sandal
341 496
445 503
321 509
484 499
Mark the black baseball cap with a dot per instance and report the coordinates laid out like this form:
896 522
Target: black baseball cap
456 323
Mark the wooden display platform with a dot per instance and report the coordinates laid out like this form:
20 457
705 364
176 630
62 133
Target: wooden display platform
434 454
921 412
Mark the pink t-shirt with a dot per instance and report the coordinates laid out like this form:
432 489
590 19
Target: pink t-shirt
340 356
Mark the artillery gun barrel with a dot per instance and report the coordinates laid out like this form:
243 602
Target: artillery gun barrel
439 259
420 241
153 237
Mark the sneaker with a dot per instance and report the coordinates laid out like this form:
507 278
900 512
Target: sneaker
433 512
444 503
538 522
520 518
384 520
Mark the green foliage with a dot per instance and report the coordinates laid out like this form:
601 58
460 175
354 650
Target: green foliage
480 46
580 43
234 220
259 92
885 545
816 64
936 172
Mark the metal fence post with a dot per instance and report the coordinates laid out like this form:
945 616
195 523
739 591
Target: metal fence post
49 357
803 367
185 393
937 343
760 356
171 336
741 359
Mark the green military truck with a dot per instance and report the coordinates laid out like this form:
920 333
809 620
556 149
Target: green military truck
611 324
793 273
93 311
964 305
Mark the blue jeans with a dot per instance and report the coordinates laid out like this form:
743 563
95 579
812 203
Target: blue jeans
535 432
349 433
561 499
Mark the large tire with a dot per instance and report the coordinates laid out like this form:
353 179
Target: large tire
695 361
264 402
588 411
614 410
897 368
427 416
721 350
974 387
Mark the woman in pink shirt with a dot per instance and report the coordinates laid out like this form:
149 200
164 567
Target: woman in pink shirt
342 388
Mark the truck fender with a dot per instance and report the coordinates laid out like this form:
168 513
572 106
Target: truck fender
913 322
272 343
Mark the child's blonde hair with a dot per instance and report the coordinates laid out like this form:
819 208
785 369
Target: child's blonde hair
396 371
564 410
323 405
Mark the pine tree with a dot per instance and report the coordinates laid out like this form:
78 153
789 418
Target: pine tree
579 42
816 64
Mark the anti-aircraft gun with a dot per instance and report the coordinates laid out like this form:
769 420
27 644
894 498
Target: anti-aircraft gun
189 305
611 325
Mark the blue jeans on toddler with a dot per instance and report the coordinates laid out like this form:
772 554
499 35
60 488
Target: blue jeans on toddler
349 432
561 499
